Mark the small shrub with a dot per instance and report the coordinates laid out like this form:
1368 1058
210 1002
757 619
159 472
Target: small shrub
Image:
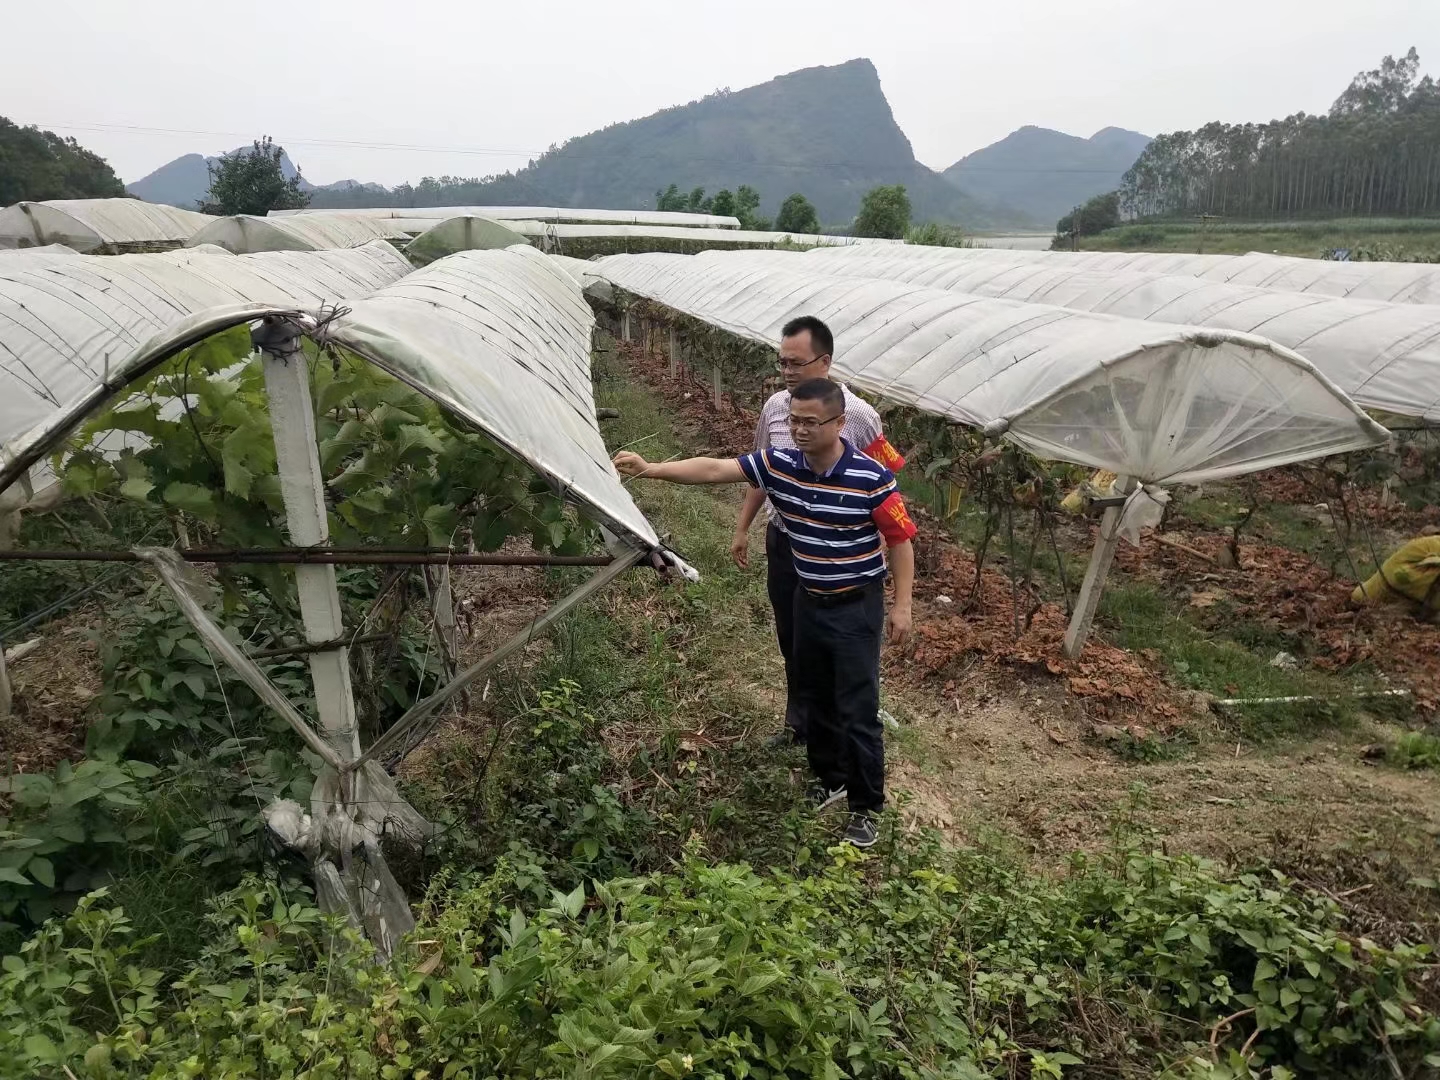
934 234
1415 750
554 797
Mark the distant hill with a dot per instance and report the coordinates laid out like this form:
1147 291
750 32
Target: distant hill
825 131
185 181
1046 173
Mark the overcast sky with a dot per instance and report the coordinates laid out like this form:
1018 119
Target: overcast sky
389 91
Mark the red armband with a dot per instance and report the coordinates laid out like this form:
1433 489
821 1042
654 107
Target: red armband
893 521
885 454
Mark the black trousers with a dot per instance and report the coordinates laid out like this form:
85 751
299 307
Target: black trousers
783 583
836 679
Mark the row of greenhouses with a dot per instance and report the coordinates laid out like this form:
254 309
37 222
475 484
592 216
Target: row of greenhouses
116 226
1163 378
69 319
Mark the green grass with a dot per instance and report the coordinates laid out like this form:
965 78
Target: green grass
1139 616
1300 528
1415 750
1304 238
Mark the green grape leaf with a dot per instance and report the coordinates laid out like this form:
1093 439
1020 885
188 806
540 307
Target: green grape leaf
137 488
373 499
339 446
193 499
391 418
440 523
415 443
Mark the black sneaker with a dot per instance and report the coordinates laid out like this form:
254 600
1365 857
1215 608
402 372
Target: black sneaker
822 797
784 740
861 832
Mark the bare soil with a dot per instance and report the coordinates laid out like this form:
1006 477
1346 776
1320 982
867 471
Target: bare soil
54 689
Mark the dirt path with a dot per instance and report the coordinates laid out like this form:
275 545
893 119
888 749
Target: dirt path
1026 761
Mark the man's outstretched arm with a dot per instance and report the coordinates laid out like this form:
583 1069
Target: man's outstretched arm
697 470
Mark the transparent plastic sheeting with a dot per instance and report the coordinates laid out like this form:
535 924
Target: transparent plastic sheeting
500 337
536 213
1394 283
467 233
68 320
86 224
1386 357
245 233
503 338
1161 404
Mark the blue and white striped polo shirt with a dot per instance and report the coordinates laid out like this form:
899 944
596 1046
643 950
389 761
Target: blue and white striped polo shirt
834 519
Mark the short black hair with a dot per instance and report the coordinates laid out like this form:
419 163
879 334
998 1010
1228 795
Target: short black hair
820 336
825 391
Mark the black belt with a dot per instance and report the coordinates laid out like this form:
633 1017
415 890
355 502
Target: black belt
849 596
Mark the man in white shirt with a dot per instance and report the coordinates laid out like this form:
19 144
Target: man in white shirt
806 348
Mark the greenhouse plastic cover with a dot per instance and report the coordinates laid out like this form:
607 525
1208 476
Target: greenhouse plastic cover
85 224
1161 404
1384 356
43 250
1395 283
67 320
500 337
245 233
1392 282
503 338
539 213
466 233
554 236
454 234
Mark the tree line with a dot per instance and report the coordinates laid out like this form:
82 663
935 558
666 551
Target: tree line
1376 152
884 212
40 165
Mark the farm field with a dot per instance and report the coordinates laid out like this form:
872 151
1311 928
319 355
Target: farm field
628 743
1387 237
1175 630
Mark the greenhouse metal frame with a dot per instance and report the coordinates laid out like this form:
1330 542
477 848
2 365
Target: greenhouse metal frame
501 338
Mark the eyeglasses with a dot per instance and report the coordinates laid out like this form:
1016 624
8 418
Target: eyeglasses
796 365
809 423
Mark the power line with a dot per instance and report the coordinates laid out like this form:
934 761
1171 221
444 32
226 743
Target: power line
134 129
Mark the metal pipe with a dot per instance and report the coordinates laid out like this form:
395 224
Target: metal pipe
1232 703
333 556
318 646
423 710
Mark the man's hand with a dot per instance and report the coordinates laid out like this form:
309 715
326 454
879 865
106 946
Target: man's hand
899 623
629 463
740 549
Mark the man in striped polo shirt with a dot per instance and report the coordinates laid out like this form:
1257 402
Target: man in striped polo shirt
806 348
840 508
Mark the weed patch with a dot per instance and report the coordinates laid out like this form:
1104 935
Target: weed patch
1415 750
